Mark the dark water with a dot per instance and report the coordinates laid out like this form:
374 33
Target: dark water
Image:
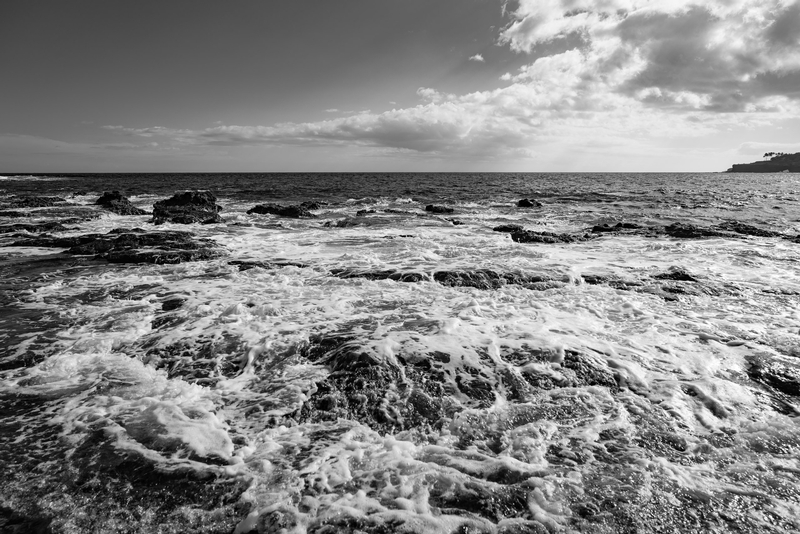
399 372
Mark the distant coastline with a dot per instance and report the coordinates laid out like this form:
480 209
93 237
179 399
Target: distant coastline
777 162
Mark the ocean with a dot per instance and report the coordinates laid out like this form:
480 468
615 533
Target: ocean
625 362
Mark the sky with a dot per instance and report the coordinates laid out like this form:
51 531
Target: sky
397 85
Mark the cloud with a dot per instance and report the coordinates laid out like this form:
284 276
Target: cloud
331 110
719 55
624 73
477 57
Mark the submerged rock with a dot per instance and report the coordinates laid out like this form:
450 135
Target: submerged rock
528 203
294 211
432 208
187 208
529 236
132 246
361 213
115 201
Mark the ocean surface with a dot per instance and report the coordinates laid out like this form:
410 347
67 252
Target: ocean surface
407 371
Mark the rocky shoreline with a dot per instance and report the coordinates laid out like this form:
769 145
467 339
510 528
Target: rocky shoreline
777 163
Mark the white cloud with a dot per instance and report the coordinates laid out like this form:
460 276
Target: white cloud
477 57
626 72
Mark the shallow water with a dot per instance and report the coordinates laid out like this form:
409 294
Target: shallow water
395 372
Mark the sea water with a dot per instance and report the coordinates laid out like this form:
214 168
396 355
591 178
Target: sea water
402 371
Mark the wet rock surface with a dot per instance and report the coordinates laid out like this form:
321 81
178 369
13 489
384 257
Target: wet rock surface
297 211
116 202
14 214
782 374
247 265
508 228
529 203
33 228
691 231
433 208
188 208
132 246
365 389
529 236
32 202
619 227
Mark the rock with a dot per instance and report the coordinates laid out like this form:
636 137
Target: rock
690 231
187 208
455 222
342 223
34 202
365 388
431 208
678 274
781 374
49 226
529 236
746 229
114 201
294 211
312 205
361 213
9 213
247 265
119 246
510 228
601 228
528 203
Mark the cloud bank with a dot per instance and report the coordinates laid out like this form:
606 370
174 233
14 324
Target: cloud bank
632 70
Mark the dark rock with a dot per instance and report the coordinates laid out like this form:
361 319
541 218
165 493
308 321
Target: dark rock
187 208
247 265
361 213
9 213
676 273
432 208
528 203
342 223
172 304
132 247
34 202
294 211
455 222
33 228
312 205
601 228
746 229
365 389
529 236
690 231
114 201
510 228
781 374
